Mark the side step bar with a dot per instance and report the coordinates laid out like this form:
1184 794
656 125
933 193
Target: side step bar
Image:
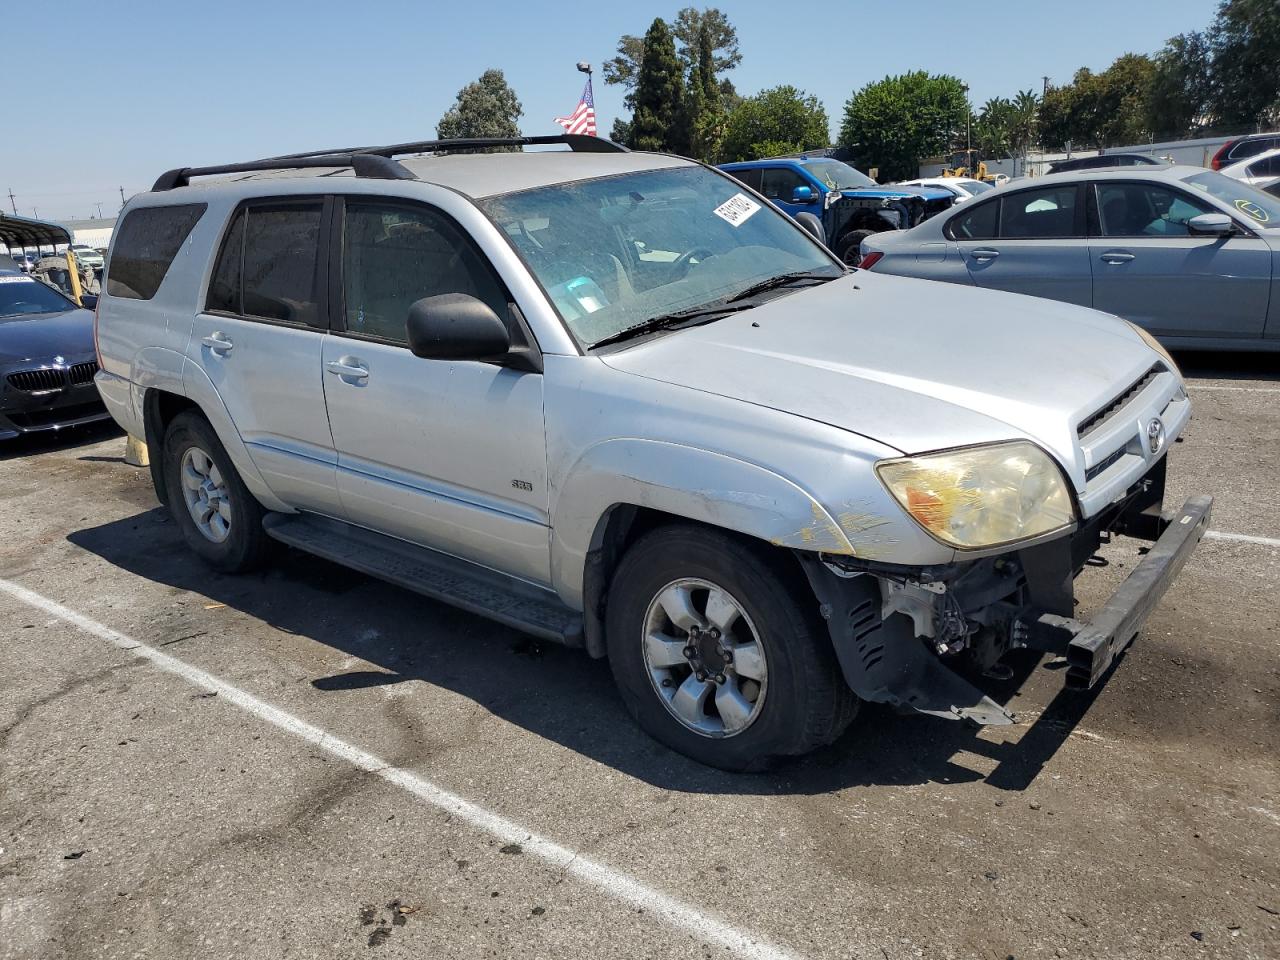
460 583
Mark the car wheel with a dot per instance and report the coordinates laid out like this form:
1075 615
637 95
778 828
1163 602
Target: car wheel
218 516
849 249
718 653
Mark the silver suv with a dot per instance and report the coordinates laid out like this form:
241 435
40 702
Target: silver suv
618 400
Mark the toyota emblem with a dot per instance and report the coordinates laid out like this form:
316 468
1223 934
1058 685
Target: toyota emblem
1155 435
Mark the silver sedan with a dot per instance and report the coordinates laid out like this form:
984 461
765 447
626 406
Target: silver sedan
1191 255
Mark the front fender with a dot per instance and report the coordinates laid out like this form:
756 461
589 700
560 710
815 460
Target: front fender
685 482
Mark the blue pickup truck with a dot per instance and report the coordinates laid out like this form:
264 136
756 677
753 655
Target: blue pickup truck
849 204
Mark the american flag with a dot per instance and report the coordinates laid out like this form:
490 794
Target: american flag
583 119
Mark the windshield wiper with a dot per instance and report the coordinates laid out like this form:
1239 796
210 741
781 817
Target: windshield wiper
781 280
672 321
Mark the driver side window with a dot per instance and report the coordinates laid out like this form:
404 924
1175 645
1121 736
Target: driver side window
394 255
1145 210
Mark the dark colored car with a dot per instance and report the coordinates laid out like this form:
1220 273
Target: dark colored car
47 359
1103 161
1242 148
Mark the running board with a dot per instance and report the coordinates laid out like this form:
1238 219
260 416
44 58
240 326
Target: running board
451 580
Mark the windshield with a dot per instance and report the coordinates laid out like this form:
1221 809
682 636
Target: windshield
20 296
1262 208
976 187
839 176
616 252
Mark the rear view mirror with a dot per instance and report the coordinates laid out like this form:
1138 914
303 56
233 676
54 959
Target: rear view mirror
1211 225
802 195
454 326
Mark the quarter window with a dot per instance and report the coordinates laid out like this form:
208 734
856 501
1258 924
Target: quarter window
1039 214
395 255
148 241
1145 210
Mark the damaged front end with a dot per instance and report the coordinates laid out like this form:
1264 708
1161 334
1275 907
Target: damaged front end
918 637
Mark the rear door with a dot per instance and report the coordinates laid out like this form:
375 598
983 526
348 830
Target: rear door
259 341
447 454
1029 241
1148 268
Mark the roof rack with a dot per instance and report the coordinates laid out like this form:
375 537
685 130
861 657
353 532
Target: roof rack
377 162
577 142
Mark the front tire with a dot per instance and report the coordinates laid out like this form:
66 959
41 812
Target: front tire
717 651
849 249
219 518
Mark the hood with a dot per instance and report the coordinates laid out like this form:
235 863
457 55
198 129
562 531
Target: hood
927 193
42 337
914 364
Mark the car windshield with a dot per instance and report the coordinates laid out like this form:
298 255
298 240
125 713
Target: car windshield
22 296
976 187
620 251
839 176
1260 207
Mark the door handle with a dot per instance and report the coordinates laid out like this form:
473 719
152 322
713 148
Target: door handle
1117 256
347 367
984 255
218 342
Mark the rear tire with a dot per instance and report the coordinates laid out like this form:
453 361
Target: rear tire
218 516
790 695
849 249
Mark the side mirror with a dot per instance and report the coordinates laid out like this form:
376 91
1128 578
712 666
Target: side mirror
89 300
454 326
802 195
1211 225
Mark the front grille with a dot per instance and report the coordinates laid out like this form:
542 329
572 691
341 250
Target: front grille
1100 467
33 381
82 373
1095 420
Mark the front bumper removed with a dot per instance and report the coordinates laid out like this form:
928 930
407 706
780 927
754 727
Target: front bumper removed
1091 647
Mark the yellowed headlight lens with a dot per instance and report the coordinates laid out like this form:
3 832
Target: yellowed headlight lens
982 496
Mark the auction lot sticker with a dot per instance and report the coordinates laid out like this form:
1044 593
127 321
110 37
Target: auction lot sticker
736 210
16 280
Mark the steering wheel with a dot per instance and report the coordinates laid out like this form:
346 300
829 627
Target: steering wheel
683 262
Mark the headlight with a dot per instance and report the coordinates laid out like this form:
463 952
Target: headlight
1157 346
982 496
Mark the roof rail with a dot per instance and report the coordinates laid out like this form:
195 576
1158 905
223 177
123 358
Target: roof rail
578 142
364 164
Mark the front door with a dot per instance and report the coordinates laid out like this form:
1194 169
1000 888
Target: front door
447 454
1148 268
259 341
1028 241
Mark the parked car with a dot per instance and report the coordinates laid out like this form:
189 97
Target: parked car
617 401
1104 160
962 188
24 261
46 359
1184 252
1259 171
849 204
88 256
1242 148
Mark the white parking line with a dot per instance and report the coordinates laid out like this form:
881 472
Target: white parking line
1241 538
1214 386
611 882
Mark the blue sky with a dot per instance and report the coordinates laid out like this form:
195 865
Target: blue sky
134 88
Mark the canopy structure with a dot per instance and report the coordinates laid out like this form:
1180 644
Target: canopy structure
18 232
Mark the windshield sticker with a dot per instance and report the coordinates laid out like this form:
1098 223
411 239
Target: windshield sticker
16 280
736 210
1251 209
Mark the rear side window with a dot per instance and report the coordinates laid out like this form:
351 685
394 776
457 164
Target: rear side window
268 266
148 240
751 177
1036 214
976 223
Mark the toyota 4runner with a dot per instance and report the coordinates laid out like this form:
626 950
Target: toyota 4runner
620 401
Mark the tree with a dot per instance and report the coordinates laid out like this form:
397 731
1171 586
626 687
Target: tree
895 123
1101 109
659 95
486 108
624 69
775 121
704 104
1245 40
1181 85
